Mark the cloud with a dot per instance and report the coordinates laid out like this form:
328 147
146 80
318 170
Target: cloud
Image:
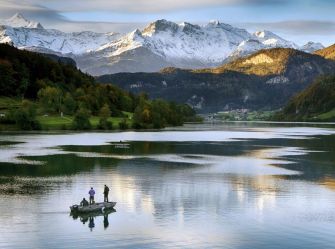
299 31
30 10
296 27
146 6
78 15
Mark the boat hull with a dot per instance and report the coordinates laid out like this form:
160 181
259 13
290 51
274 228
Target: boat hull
96 207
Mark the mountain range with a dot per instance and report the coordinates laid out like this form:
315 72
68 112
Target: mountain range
264 80
161 44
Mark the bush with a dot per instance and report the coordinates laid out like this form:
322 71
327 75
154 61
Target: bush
123 125
25 117
81 120
104 114
104 124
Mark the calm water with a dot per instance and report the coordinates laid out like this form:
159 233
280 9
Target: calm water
202 186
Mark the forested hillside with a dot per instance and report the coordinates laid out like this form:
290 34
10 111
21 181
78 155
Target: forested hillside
51 87
316 103
328 53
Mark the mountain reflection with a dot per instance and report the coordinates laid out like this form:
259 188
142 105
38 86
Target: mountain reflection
209 193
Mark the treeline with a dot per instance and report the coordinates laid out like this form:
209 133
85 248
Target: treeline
316 100
24 73
48 87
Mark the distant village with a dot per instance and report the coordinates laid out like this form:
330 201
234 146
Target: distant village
238 115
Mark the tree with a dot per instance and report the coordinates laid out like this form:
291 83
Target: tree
69 104
81 120
50 99
104 114
123 125
25 117
7 81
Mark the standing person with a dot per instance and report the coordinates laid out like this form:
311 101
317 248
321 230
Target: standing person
106 191
91 193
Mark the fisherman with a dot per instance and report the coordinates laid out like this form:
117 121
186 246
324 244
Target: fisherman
106 191
91 193
84 202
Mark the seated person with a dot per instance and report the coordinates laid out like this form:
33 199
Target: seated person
84 202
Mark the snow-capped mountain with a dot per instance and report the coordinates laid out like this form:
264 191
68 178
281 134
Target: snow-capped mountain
161 44
18 20
260 40
272 40
187 42
311 47
31 35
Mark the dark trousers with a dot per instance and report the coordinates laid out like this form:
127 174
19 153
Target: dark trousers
105 197
91 199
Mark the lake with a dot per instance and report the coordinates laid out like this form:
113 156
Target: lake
233 185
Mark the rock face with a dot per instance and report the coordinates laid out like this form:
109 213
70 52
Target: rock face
160 44
264 80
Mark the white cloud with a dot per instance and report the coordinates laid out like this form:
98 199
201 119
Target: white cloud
30 9
49 13
132 6
300 31
298 27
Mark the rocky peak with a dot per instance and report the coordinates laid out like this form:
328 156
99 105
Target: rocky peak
160 26
311 47
265 34
189 28
218 24
19 21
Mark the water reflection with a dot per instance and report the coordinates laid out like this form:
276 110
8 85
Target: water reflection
271 192
89 218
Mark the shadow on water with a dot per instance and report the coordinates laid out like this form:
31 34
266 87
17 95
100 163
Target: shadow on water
91 217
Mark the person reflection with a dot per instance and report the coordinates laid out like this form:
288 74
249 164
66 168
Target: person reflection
106 222
83 219
91 223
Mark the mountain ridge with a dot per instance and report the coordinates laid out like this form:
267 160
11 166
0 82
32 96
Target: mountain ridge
160 44
267 85
328 52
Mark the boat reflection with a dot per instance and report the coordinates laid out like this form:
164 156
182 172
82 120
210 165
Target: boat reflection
90 217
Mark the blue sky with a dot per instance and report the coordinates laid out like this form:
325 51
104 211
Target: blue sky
297 20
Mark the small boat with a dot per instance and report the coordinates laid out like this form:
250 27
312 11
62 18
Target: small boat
95 207
121 145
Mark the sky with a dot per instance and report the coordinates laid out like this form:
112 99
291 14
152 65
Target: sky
297 20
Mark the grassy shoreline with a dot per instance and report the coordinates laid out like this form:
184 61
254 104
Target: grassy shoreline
56 122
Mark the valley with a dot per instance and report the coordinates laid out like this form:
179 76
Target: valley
212 68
